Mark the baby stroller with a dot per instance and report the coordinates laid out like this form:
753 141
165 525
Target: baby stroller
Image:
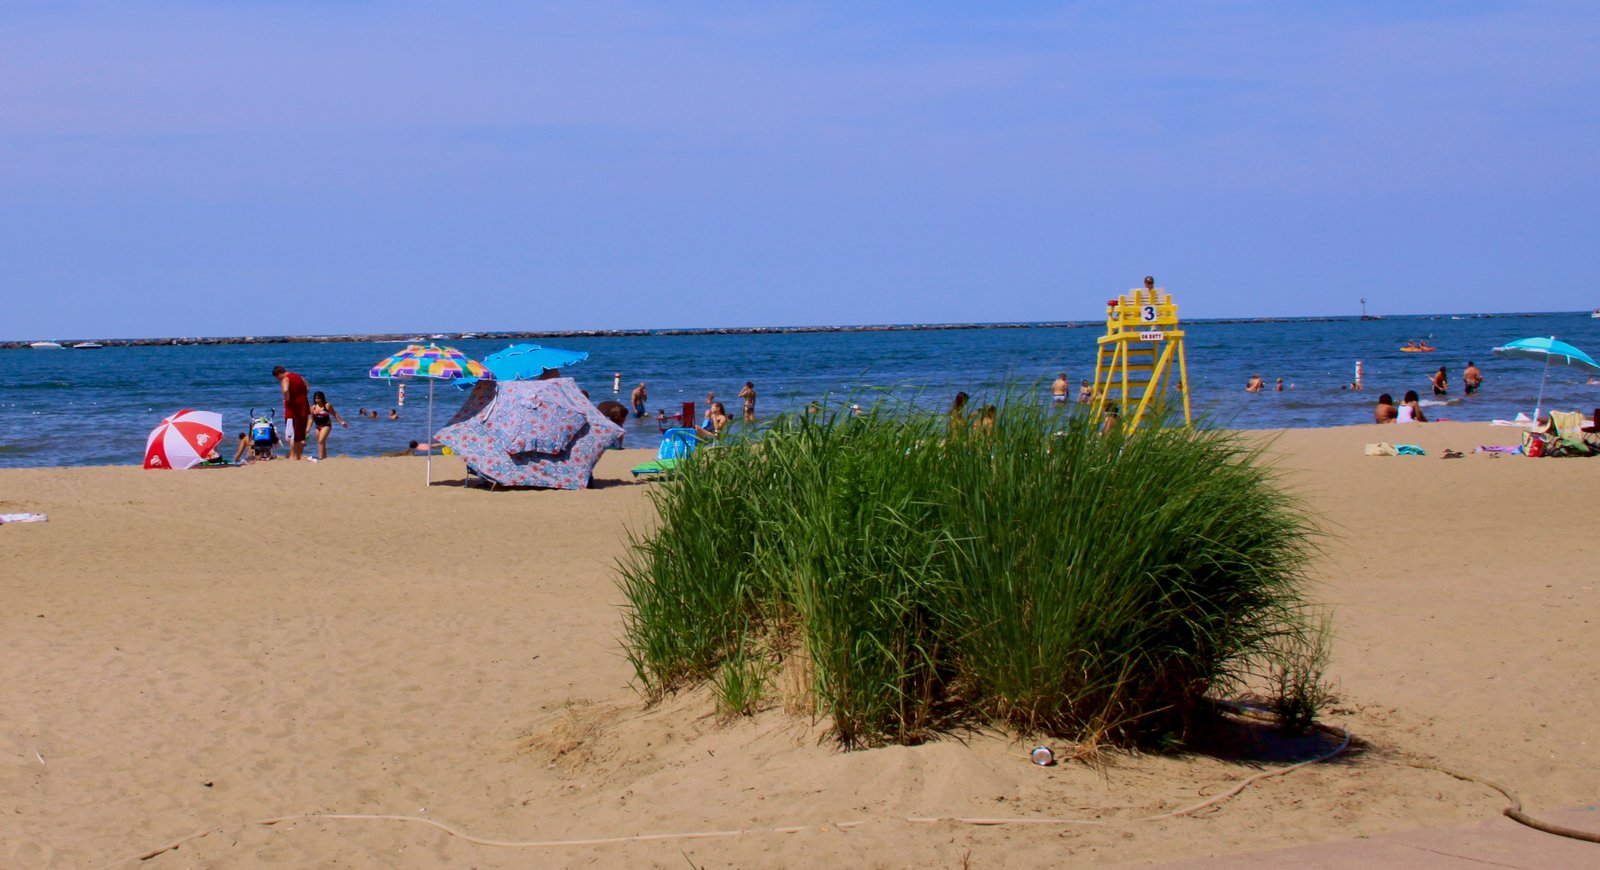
263 437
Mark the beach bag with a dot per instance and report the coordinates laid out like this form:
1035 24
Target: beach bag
1532 444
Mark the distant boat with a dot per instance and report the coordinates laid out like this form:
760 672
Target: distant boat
88 345
1595 313
46 345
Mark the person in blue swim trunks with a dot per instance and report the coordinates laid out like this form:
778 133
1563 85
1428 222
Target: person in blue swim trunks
638 396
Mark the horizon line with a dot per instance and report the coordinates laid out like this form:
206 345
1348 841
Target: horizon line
473 335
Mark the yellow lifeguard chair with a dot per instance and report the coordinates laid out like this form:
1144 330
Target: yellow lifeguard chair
1134 365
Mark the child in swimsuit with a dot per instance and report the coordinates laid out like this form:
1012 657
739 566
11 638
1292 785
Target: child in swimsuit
322 417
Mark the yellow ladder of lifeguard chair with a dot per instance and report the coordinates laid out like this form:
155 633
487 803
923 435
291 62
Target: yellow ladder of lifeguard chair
1134 363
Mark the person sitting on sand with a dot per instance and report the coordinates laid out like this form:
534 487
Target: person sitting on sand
1255 384
1441 382
958 416
983 421
1386 412
1410 410
616 412
613 410
412 447
716 422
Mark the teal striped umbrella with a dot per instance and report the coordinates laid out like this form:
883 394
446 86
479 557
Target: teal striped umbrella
436 363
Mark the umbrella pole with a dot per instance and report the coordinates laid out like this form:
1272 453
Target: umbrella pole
1539 402
428 444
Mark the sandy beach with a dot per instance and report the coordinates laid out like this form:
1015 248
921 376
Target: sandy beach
200 651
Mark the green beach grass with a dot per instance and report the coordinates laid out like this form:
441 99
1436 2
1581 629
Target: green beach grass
898 575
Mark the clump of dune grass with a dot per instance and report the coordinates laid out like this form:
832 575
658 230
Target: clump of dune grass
1035 573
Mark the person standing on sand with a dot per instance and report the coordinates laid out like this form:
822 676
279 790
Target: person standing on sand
1472 377
749 396
1059 389
1441 383
322 416
638 397
296 408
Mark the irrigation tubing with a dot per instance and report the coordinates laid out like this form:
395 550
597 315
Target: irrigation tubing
1513 811
734 832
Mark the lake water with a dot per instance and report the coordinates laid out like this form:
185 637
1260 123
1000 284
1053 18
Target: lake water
96 407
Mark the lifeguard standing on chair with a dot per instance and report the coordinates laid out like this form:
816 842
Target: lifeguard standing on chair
1136 357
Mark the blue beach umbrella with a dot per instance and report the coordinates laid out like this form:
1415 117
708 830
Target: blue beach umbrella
526 362
1547 351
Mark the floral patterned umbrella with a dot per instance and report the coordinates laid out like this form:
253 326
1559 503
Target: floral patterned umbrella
531 433
434 363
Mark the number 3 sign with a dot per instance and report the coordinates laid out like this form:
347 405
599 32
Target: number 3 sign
1147 314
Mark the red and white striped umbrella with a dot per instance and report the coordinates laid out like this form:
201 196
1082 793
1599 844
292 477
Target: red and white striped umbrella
183 440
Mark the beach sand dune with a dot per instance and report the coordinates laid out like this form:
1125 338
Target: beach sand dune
197 651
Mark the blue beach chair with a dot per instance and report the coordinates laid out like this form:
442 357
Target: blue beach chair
676 445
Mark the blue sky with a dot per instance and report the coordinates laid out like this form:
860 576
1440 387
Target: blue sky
230 168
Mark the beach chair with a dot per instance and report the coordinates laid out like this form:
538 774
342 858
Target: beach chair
676 445
1565 437
1561 435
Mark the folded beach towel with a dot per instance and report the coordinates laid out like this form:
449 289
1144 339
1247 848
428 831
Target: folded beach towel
23 518
1497 448
1409 450
1382 448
